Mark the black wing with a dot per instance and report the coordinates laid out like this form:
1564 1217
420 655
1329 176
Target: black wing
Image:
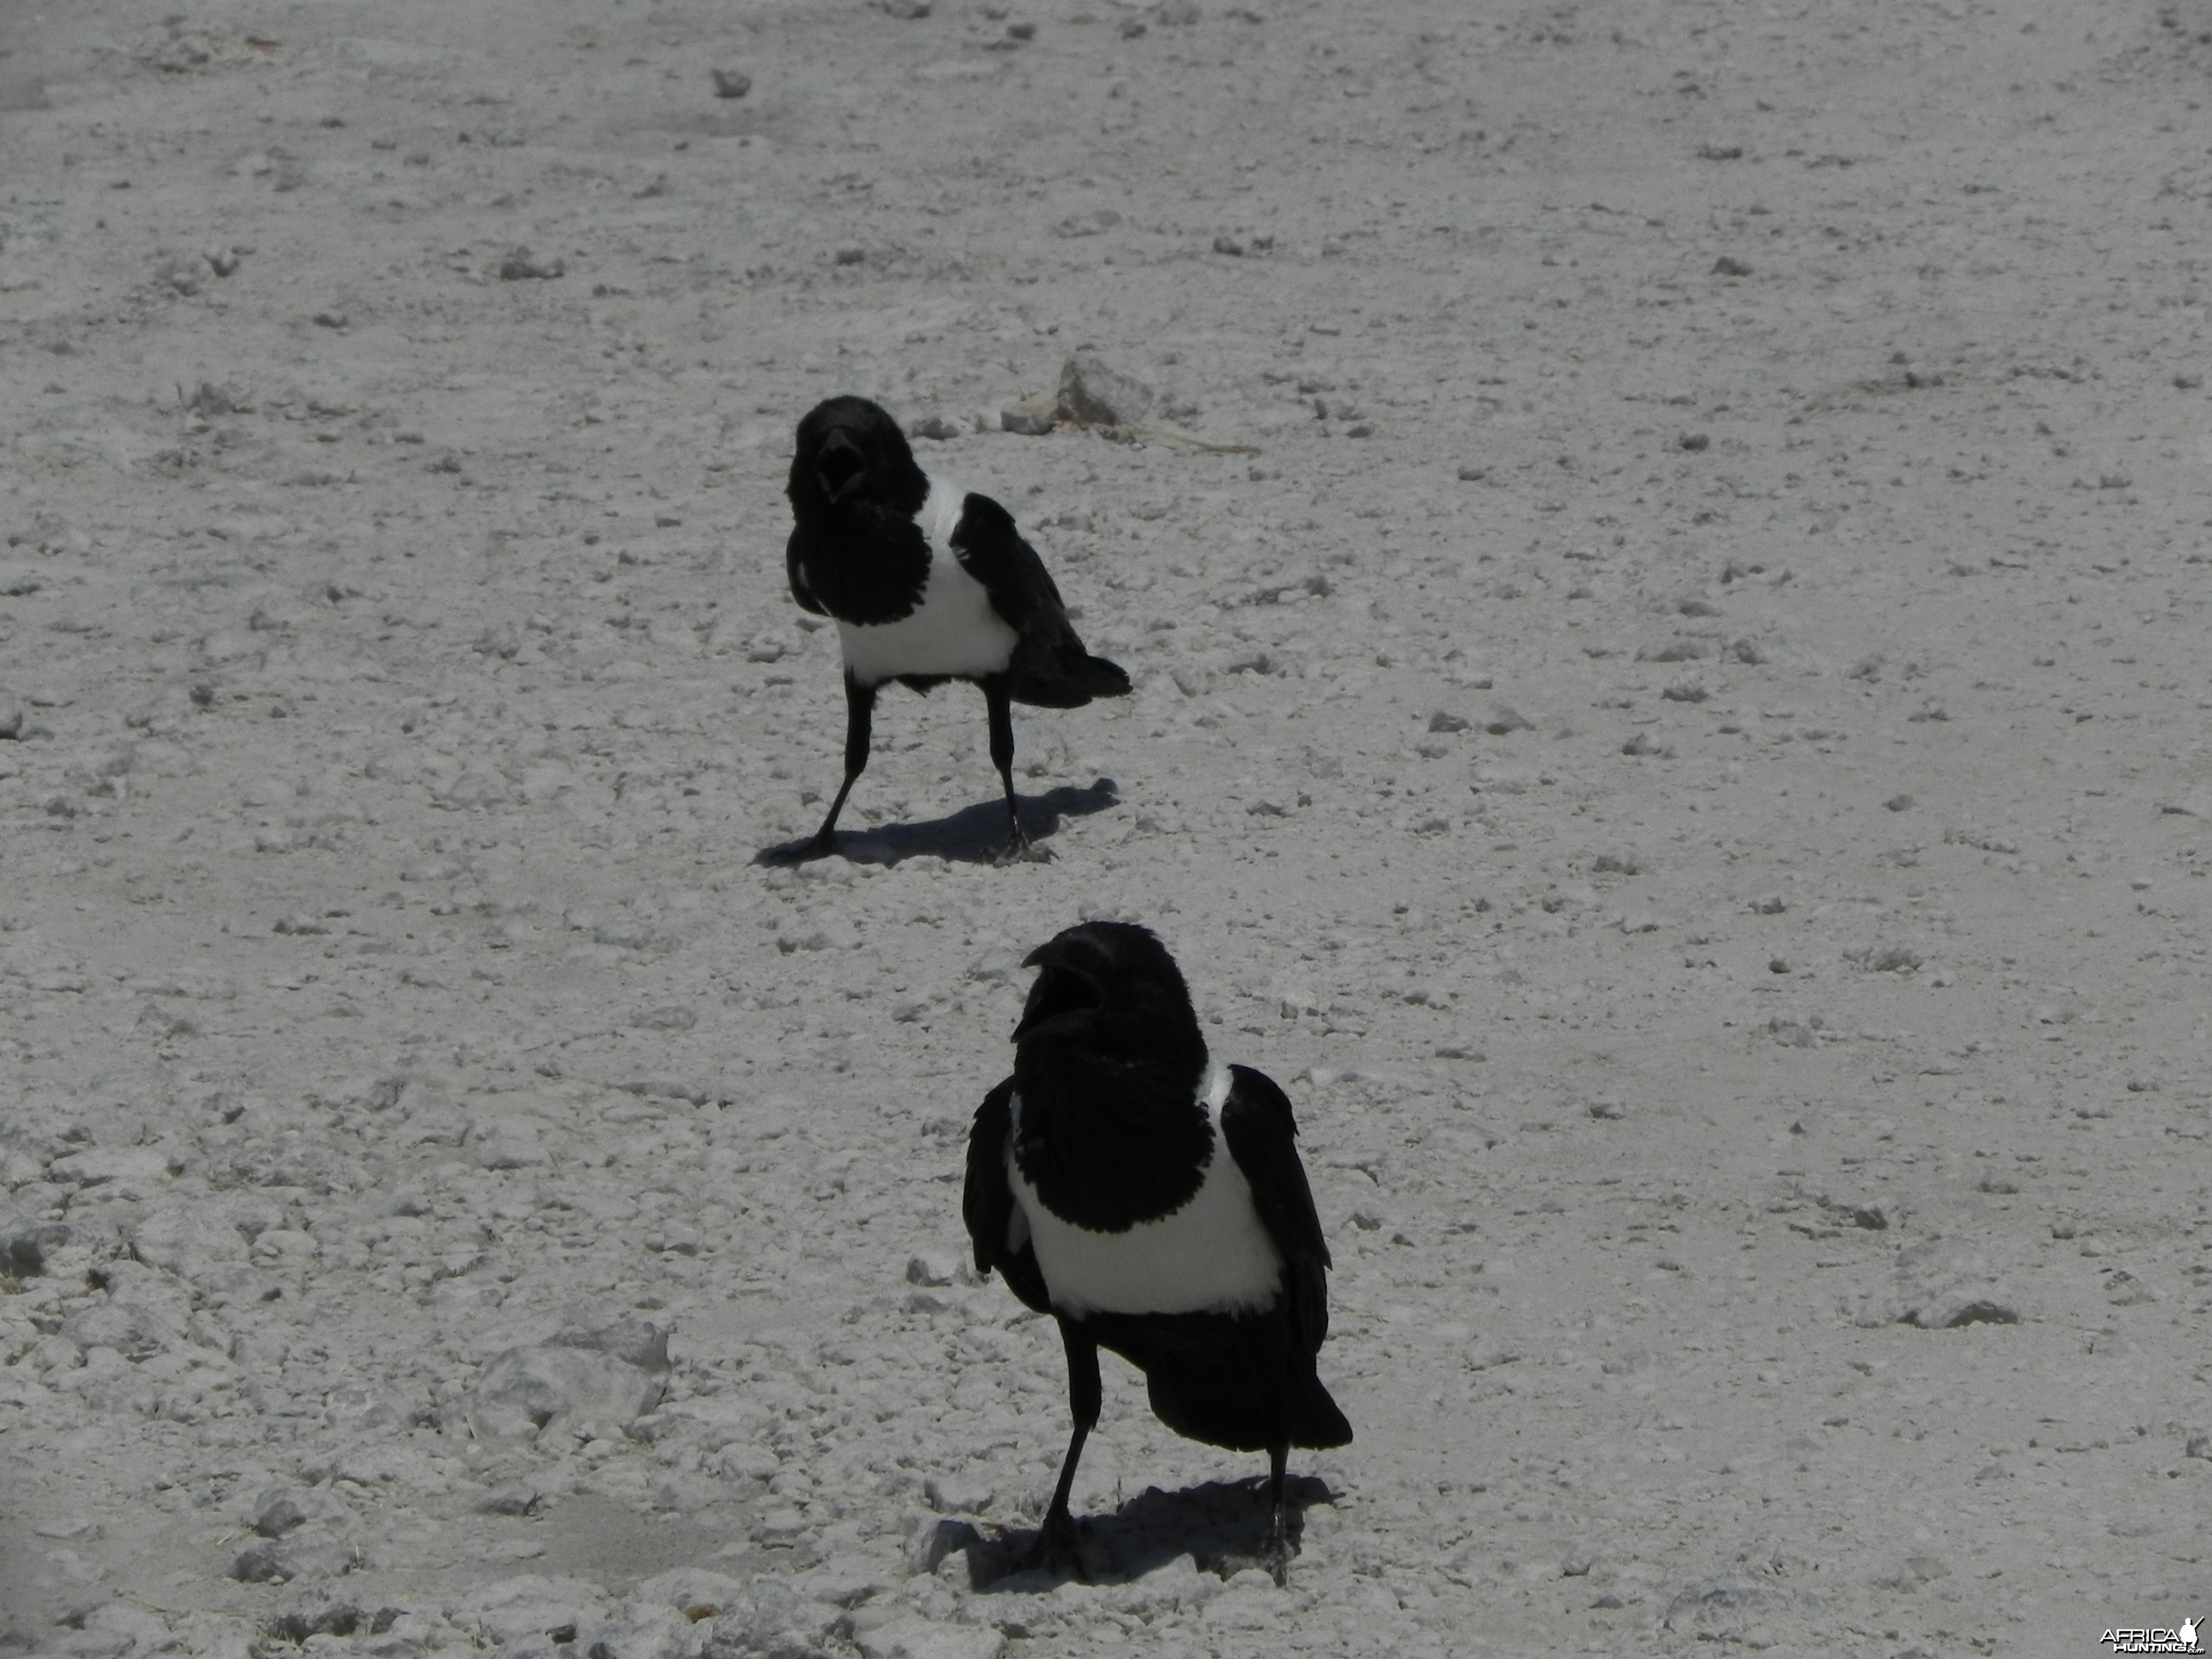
1050 668
796 570
988 1203
1262 1135
991 549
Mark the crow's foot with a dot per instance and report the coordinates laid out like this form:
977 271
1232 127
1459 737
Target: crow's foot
1275 1559
1020 849
1057 1549
818 846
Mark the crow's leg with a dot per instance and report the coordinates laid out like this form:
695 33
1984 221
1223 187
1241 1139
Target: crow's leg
1055 1546
1278 1556
859 714
1001 708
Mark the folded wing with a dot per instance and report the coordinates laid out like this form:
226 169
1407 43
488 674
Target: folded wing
1050 668
996 1228
1262 1134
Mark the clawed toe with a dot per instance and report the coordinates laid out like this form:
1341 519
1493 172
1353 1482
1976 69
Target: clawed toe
1022 850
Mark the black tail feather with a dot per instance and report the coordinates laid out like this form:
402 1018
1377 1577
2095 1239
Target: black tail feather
1316 1420
1067 679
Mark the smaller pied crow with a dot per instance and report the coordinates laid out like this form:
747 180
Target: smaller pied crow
1152 1200
926 583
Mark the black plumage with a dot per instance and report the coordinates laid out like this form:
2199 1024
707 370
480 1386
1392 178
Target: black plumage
926 583
1153 1203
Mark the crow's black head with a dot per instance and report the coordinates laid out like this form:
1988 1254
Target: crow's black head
1111 988
851 454
1109 1065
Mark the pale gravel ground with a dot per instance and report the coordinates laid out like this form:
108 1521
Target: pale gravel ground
1812 837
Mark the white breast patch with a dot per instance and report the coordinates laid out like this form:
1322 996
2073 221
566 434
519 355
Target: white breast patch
953 630
1211 1255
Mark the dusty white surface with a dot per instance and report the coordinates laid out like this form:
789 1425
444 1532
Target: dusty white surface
1672 763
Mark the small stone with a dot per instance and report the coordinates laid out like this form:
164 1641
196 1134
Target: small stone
521 264
1443 720
957 1494
905 10
1728 266
1946 1283
1890 959
124 1627
310 1552
1487 1352
935 1268
130 1330
731 83
1096 222
525 1390
1093 393
24 1245
530 1610
1032 417
913 1637
1505 720
1230 246
1686 691
1899 804
938 429
1730 1610
279 1510
319 1612
1695 441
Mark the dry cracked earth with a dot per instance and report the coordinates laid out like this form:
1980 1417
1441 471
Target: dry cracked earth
1664 552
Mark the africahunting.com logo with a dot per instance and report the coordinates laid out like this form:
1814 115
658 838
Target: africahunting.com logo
2183 1640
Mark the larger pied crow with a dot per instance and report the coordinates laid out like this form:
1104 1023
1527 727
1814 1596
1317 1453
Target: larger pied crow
926 582
1150 1200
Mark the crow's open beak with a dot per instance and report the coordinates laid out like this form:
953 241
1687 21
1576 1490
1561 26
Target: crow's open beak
840 465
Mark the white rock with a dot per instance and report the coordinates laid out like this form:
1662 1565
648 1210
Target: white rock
195 1242
526 1389
644 1632
128 1328
126 1628
770 1618
687 1589
530 1606
913 1637
307 1552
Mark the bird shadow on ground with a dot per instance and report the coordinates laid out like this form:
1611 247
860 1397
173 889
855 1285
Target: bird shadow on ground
1222 1526
974 834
